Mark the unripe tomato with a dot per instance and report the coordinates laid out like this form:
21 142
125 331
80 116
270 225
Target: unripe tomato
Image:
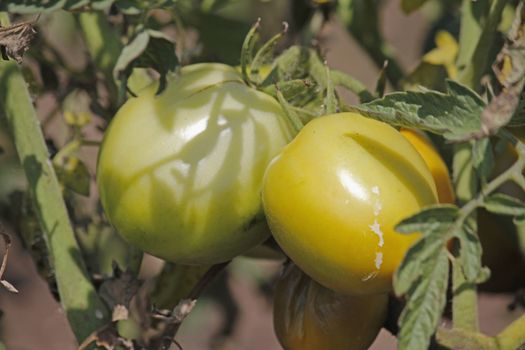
180 174
334 195
435 163
308 316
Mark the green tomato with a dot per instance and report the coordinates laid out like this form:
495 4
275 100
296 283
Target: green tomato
180 174
334 195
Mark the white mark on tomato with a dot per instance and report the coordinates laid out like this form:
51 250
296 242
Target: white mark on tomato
379 260
369 276
376 228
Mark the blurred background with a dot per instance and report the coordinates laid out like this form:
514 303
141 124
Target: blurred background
236 310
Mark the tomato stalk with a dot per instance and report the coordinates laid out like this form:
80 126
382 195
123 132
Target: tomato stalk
85 310
464 304
103 45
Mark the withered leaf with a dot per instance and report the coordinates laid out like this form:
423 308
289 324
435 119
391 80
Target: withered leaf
4 283
509 69
15 40
118 291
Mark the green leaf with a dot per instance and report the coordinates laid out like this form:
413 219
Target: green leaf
483 158
425 305
470 255
330 100
291 88
519 223
410 6
31 6
429 219
503 204
265 54
129 7
221 37
74 175
454 114
428 75
149 48
28 7
423 252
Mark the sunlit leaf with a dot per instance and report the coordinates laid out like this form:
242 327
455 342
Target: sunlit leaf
424 307
429 219
503 204
453 114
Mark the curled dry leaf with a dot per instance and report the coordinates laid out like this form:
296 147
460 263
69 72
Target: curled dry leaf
4 283
15 39
118 291
107 338
509 69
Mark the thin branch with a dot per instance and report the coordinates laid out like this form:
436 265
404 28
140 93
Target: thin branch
184 307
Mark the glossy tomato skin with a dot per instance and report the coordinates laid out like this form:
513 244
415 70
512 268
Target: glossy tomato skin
308 316
435 164
334 195
180 174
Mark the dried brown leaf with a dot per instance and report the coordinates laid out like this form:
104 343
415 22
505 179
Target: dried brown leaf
4 283
15 39
107 338
118 291
8 286
509 68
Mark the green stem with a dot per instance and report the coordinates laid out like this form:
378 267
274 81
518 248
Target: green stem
103 44
512 337
353 85
84 309
465 301
470 30
466 340
477 36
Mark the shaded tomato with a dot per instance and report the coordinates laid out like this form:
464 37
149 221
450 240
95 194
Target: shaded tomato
180 174
308 316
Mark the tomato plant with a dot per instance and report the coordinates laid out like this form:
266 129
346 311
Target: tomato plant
180 173
308 316
334 195
360 199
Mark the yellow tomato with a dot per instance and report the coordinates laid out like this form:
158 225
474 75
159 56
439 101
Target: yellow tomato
308 316
334 195
435 163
